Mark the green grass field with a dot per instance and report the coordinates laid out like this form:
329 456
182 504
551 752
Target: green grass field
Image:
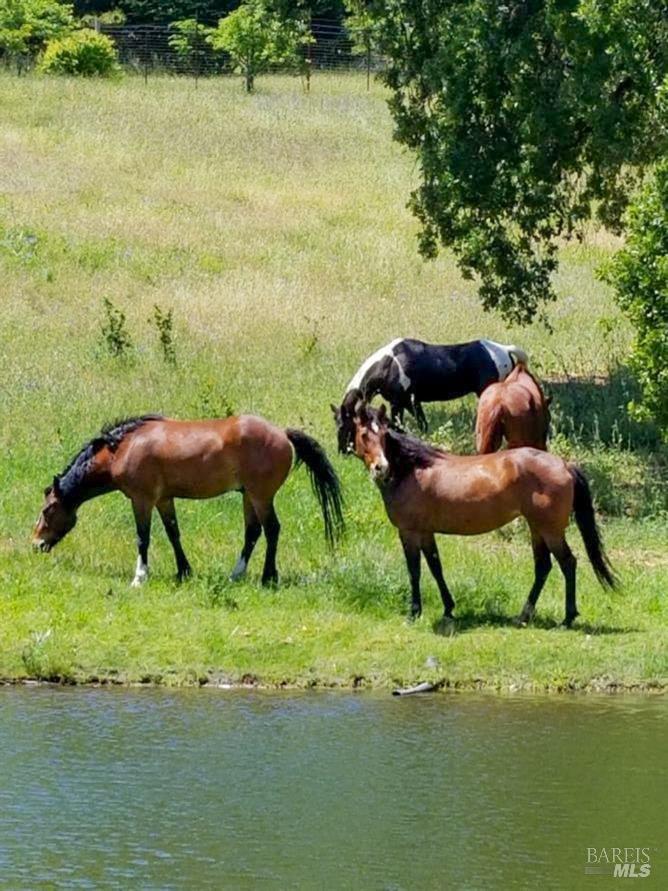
274 226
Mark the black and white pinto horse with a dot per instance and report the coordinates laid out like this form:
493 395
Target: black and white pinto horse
409 372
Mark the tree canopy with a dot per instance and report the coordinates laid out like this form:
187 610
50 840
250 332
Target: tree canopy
27 25
257 37
639 274
162 11
527 118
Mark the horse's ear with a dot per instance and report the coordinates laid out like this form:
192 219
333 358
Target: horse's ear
382 413
360 410
333 408
55 488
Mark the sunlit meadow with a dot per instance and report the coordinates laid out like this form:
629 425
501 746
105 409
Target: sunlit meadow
275 228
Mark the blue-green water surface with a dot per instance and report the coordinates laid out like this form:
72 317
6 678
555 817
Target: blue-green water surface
235 789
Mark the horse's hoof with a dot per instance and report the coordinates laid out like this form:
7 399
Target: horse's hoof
184 575
239 570
446 626
270 582
524 617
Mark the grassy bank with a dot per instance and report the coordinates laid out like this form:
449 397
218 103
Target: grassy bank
274 227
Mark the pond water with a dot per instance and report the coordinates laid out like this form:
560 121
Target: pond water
230 789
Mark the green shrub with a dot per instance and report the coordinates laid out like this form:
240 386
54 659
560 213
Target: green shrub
115 336
83 53
27 25
639 274
164 323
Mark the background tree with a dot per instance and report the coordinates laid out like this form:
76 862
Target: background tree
639 274
209 11
527 118
361 27
257 38
188 39
27 25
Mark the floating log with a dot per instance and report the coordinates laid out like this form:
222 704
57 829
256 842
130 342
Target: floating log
425 687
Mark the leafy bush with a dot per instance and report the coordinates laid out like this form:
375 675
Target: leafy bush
115 338
84 53
164 323
639 274
27 25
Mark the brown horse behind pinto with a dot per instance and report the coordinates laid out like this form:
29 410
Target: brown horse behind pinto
515 409
153 460
427 491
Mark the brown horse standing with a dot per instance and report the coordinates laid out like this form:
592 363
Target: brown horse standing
153 460
516 409
426 491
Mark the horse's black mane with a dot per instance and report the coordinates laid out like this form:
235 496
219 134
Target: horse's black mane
111 435
406 453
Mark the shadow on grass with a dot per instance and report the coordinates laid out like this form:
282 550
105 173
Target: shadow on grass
471 621
593 410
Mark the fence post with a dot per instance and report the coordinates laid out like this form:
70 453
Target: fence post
145 54
309 53
196 48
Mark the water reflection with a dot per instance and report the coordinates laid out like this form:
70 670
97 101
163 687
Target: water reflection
203 789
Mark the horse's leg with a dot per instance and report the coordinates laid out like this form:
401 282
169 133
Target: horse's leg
396 414
267 516
411 546
542 566
272 530
430 552
167 513
568 565
142 511
253 530
420 416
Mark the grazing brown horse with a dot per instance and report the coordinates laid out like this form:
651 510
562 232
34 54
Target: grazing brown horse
516 409
426 491
153 460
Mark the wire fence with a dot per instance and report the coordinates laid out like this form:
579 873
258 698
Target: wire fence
151 49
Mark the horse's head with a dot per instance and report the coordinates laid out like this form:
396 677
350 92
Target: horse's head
344 416
371 428
55 520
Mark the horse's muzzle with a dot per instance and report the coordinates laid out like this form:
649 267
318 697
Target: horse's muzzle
43 546
379 471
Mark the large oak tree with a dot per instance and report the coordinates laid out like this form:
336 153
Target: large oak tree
527 118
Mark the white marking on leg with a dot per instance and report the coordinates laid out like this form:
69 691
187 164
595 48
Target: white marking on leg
141 573
387 350
239 569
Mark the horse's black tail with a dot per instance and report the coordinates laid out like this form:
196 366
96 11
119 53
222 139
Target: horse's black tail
324 480
583 509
